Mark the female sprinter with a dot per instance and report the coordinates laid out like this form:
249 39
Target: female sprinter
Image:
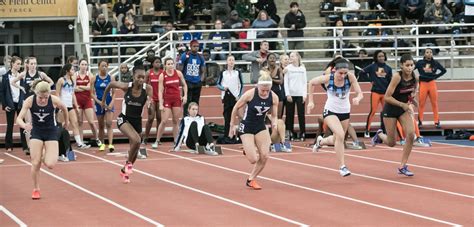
253 132
84 101
43 129
399 104
152 79
104 113
65 90
137 94
337 108
171 99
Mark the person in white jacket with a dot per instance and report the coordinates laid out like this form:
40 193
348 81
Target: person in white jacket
194 132
296 91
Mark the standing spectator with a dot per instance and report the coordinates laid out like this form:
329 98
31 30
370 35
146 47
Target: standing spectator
220 10
277 81
296 93
219 47
128 27
438 13
212 68
181 11
12 101
6 65
412 9
268 6
263 21
192 65
122 8
429 70
231 85
258 59
102 27
295 21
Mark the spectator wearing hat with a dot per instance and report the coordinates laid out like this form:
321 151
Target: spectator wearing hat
295 21
234 21
193 66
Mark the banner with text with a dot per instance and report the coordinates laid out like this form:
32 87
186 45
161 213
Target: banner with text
17 9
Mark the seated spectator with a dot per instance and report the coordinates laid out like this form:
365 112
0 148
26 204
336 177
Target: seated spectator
220 10
101 27
181 11
438 13
412 9
243 36
195 133
340 33
244 9
124 74
218 47
234 21
269 7
128 27
121 9
263 21
104 6
168 28
212 69
193 35
93 8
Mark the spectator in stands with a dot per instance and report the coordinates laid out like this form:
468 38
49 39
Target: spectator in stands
295 21
269 7
263 21
438 13
104 5
181 11
135 4
361 62
168 28
234 21
219 47
193 66
212 69
340 33
469 18
124 74
122 8
244 9
128 27
193 35
6 65
148 61
295 81
243 35
412 9
102 27
93 8
220 10
258 59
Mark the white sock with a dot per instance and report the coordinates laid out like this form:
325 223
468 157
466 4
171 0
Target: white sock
78 140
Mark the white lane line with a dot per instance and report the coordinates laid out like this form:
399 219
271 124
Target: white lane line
12 216
314 190
202 192
382 160
149 220
443 155
457 145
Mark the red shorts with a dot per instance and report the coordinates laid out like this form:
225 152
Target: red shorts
172 102
84 103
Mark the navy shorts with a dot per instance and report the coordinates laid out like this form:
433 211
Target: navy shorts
45 134
250 128
135 122
392 111
99 111
340 116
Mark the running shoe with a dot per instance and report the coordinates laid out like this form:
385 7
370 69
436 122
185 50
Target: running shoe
63 158
437 125
141 156
36 194
27 152
354 146
111 148
376 139
420 142
125 177
272 148
83 146
404 170
154 145
317 145
344 171
402 142
210 150
420 124
367 134
98 142
287 146
283 148
253 184
128 168
102 147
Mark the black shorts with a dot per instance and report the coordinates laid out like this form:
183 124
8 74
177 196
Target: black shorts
135 122
45 134
392 111
249 128
340 116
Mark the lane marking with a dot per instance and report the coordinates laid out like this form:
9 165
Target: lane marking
202 192
387 161
149 220
315 190
12 216
457 145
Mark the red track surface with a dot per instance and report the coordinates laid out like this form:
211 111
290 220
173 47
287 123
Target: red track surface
181 189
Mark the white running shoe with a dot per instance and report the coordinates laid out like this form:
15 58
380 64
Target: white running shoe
63 158
317 145
154 145
84 146
344 171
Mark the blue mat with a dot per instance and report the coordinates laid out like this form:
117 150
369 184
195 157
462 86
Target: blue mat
441 139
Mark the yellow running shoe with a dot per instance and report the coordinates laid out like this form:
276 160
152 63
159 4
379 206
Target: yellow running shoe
111 148
102 147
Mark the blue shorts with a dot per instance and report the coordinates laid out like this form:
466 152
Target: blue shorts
249 128
45 134
99 111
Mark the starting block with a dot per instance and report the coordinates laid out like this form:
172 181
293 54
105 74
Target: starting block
71 155
359 146
218 149
142 151
278 148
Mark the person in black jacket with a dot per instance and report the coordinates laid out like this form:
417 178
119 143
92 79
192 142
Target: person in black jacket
295 21
429 70
12 100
